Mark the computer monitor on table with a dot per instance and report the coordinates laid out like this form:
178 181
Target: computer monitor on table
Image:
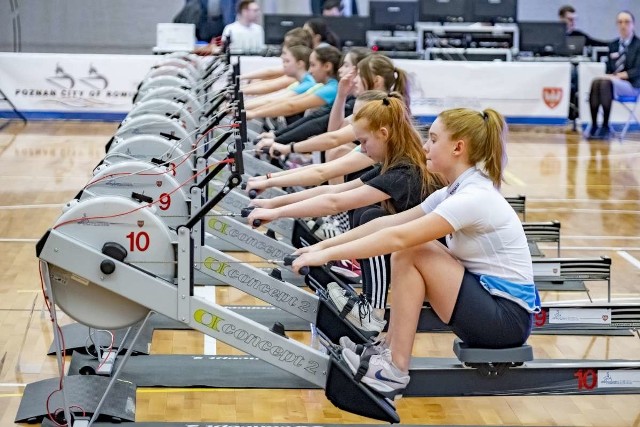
495 11
393 15
543 38
444 10
351 30
276 26
574 45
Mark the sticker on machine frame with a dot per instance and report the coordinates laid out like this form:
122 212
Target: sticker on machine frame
546 269
618 378
591 316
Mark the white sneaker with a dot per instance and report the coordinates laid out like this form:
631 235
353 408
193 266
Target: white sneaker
364 349
324 229
378 372
361 314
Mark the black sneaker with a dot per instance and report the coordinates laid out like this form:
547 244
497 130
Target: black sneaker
603 133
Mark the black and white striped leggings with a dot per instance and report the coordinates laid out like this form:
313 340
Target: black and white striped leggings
376 271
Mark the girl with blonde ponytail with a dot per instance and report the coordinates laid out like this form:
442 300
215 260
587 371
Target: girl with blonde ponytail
481 283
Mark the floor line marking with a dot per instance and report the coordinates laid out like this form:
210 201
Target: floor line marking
511 178
592 248
631 259
11 240
573 210
602 237
550 200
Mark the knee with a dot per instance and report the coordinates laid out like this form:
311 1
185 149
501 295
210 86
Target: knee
595 85
424 252
408 255
370 214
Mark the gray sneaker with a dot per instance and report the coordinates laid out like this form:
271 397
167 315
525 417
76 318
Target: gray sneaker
364 349
361 314
378 372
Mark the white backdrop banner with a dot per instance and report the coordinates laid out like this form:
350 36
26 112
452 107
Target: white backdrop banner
536 93
95 87
102 86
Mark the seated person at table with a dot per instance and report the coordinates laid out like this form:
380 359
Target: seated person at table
622 78
568 15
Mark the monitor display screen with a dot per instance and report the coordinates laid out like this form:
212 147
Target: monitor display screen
393 15
276 26
495 11
351 30
444 10
543 38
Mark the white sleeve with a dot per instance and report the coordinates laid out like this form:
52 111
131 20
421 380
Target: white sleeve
226 31
433 200
463 209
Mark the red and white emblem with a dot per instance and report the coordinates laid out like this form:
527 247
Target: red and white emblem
552 96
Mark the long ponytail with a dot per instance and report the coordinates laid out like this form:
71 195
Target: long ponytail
404 145
486 134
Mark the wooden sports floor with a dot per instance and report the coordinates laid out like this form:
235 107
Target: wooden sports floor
593 188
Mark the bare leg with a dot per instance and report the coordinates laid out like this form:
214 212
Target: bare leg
424 271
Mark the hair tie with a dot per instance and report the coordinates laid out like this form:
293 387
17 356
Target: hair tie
485 116
385 101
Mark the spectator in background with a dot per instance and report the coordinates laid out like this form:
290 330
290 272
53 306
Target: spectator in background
245 33
568 15
622 78
321 35
348 7
207 18
228 8
332 8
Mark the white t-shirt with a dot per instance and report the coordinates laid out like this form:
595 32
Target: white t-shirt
488 238
245 38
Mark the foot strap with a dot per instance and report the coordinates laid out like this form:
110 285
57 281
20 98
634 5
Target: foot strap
317 224
353 299
363 368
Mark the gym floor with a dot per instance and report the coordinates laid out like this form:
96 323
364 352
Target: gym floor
592 187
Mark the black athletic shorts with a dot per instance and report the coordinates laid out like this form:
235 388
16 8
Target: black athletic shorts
487 321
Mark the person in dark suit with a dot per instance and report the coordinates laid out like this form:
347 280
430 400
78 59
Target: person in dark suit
569 16
622 78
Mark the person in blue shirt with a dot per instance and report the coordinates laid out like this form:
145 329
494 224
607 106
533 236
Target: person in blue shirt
306 83
295 63
323 66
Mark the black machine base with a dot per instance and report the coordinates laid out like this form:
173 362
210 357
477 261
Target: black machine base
344 392
81 391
